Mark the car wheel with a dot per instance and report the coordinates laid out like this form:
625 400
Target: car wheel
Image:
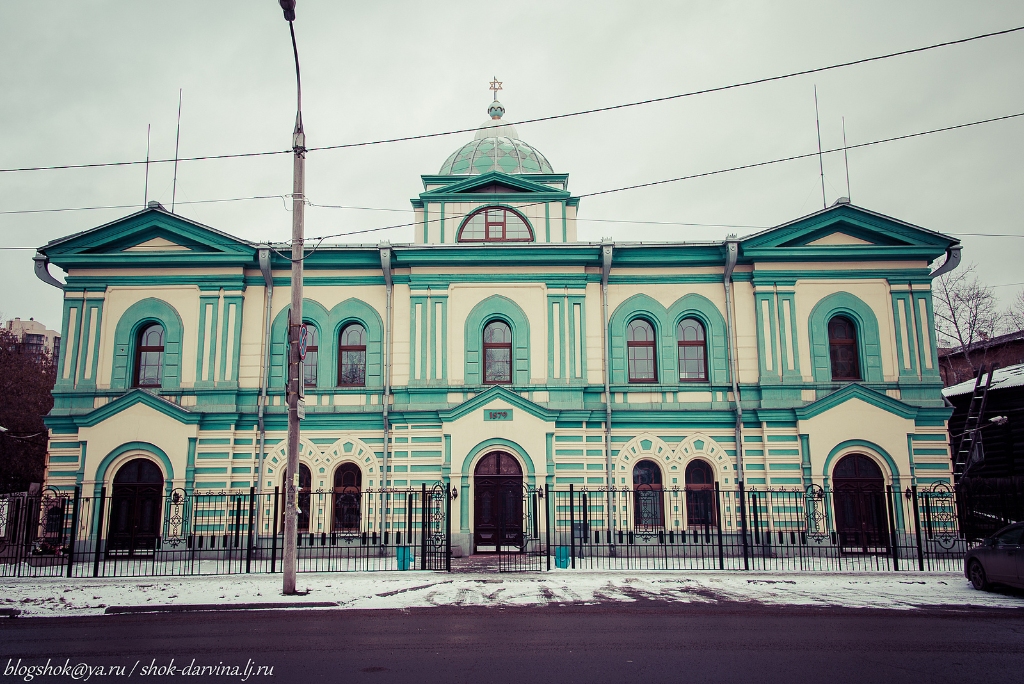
977 575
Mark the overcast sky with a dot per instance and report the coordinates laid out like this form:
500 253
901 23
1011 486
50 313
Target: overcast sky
82 80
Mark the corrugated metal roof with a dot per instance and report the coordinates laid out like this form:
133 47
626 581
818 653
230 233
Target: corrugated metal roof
1011 376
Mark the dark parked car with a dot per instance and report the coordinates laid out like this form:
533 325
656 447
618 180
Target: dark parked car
997 560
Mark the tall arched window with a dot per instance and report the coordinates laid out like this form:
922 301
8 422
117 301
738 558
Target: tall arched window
648 510
495 224
842 349
640 343
309 364
149 355
693 358
700 493
348 480
497 353
352 356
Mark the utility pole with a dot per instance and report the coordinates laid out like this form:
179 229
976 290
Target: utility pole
295 378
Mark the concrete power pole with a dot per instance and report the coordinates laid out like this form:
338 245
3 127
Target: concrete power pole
295 379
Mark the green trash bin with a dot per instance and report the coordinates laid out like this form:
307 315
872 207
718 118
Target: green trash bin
561 556
406 557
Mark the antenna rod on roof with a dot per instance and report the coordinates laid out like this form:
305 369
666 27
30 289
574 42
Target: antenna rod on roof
177 137
821 167
145 191
846 159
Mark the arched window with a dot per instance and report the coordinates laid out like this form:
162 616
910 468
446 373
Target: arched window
700 493
842 349
309 364
643 361
352 356
495 224
693 358
497 353
647 504
149 355
348 480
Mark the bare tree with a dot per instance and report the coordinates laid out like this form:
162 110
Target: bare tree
965 313
1015 314
26 379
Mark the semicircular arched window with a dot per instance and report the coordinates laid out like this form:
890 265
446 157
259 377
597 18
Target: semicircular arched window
640 347
842 349
149 355
309 364
497 353
352 356
495 224
693 359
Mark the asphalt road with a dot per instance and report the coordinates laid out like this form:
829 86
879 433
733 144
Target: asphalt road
641 642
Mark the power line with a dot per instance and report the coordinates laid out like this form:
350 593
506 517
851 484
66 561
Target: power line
703 174
137 206
553 117
731 169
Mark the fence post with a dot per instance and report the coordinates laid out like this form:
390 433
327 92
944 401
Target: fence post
917 530
423 526
890 505
448 528
572 526
743 526
273 537
248 548
547 527
99 532
74 529
718 519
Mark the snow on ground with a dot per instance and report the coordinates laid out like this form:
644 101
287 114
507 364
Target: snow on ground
904 591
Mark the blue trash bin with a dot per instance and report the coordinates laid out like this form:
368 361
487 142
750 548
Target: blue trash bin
561 556
405 556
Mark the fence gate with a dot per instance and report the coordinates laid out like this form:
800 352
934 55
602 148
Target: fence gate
435 527
521 548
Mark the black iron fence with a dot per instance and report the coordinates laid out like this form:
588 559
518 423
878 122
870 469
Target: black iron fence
138 530
708 528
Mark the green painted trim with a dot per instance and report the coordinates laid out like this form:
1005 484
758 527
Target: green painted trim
442 223
926 329
492 393
906 364
547 222
894 471
481 450
854 308
151 449
856 391
565 222
136 396
86 369
930 438
805 458
138 314
770 346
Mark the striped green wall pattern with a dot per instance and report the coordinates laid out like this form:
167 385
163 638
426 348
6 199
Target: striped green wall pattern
65 445
930 438
783 438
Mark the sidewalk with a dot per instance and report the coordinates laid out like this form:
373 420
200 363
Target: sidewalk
397 590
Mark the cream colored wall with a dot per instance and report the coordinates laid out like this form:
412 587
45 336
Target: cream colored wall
875 293
531 298
851 420
251 351
184 299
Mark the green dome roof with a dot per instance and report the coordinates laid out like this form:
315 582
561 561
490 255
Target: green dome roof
496 147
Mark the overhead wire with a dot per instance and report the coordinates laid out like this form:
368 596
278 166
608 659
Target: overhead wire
553 117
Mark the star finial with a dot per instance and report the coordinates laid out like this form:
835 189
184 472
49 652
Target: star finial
495 86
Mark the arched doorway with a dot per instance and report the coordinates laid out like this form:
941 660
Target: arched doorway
498 503
859 494
348 481
136 498
648 508
700 494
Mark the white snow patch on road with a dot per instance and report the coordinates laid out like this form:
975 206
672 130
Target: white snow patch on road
904 591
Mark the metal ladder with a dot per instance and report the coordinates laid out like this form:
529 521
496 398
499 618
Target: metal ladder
970 450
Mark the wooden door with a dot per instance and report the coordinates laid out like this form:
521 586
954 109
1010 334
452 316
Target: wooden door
498 503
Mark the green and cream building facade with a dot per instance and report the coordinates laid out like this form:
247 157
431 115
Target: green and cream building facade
498 332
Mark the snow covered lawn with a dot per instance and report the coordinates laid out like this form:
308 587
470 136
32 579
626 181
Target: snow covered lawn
904 591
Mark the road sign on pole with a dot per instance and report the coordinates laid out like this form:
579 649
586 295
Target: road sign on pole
303 341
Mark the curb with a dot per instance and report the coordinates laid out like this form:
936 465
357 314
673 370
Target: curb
214 607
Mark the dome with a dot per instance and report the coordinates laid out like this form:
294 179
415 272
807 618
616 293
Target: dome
495 147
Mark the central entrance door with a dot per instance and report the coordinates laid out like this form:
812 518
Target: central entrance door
498 504
860 505
135 509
